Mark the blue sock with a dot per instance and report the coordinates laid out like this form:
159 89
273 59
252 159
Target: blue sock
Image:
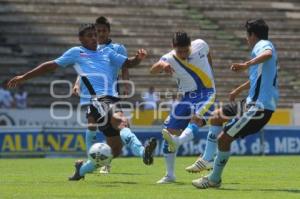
211 143
219 164
90 139
194 128
131 141
87 167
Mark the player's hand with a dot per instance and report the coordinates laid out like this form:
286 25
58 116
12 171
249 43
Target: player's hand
16 81
141 54
232 95
168 69
237 67
76 90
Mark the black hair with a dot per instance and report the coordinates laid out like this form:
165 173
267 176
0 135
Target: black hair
181 39
84 27
103 21
258 27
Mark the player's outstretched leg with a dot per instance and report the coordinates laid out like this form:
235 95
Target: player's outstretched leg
206 161
81 169
149 151
130 140
76 176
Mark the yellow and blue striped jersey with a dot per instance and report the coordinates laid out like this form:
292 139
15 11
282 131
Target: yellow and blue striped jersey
195 73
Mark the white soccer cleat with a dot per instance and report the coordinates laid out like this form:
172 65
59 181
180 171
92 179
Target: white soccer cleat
171 140
204 183
105 169
199 165
166 180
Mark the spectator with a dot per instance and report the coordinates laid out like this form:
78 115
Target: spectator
21 98
6 99
150 99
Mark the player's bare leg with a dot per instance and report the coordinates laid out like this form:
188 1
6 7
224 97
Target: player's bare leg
205 162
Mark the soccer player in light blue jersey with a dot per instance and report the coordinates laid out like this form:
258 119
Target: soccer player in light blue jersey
128 138
97 66
103 38
261 101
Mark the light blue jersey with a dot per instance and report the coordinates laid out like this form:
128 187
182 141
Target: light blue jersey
99 66
119 48
263 78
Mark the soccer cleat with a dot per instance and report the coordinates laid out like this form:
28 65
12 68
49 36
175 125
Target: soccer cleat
166 180
76 176
204 183
148 153
170 139
199 165
105 169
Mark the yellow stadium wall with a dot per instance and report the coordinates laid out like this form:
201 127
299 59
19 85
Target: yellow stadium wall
282 117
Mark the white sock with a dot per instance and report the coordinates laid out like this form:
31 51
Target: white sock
170 163
185 136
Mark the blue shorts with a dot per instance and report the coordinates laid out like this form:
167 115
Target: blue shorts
199 103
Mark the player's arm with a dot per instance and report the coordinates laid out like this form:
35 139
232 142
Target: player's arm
235 92
264 56
40 70
125 76
161 66
125 73
76 87
133 61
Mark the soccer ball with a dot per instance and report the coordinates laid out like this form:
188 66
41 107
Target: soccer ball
100 154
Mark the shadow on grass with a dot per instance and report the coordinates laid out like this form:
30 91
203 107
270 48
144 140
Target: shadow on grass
114 183
267 190
171 184
129 174
124 182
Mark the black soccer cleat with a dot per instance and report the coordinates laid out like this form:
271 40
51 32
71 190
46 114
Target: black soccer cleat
76 176
149 149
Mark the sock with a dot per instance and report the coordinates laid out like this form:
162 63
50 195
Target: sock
219 164
211 143
169 160
131 141
90 139
188 133
87 167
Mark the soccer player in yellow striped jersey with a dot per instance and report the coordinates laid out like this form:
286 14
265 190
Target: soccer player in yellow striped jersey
190 63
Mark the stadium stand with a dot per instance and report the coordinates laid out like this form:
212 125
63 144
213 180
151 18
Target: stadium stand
33 31
283 19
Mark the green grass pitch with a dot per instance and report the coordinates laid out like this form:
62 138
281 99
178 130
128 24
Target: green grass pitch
244 177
